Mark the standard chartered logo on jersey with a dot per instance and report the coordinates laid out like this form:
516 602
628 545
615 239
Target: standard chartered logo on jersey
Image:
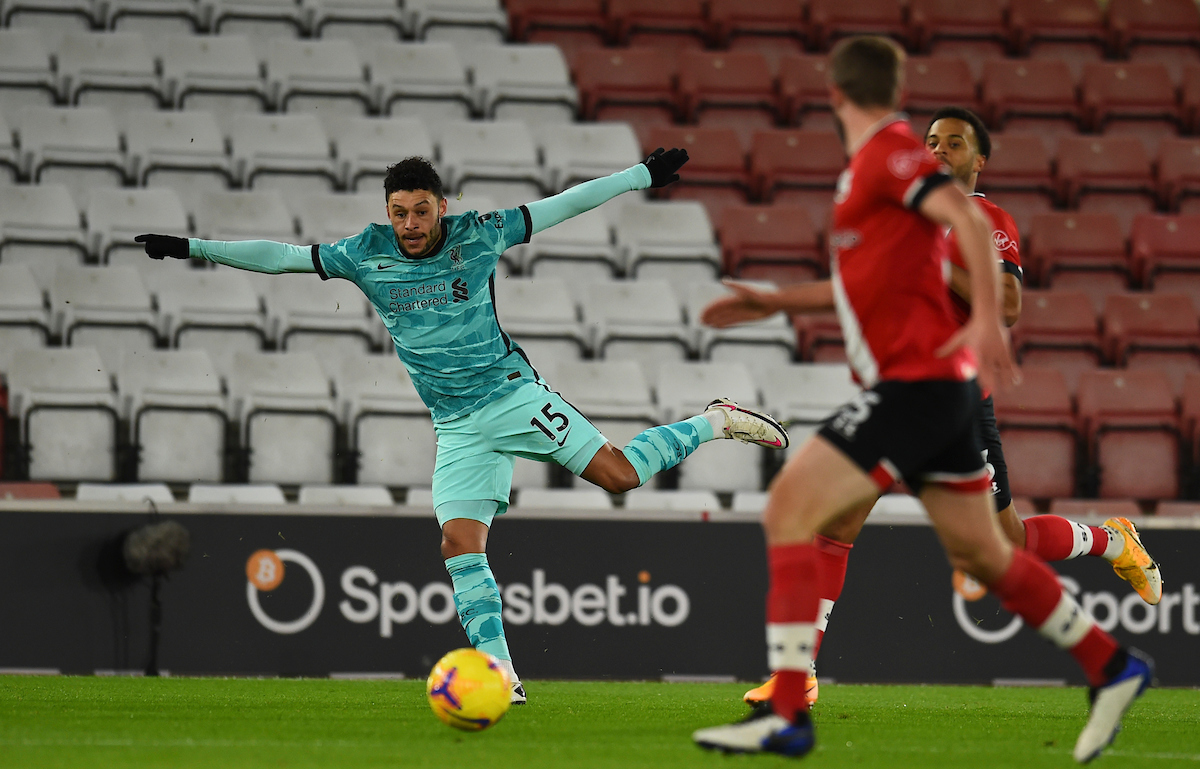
540 601
1175 612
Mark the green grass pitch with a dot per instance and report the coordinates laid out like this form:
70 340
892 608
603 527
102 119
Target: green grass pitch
119 723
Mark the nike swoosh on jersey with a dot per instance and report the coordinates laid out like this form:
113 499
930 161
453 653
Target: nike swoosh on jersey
564 440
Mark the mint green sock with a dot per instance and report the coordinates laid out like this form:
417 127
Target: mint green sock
660 448
478 602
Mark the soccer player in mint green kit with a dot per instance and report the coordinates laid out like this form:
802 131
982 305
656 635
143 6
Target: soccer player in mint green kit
430 277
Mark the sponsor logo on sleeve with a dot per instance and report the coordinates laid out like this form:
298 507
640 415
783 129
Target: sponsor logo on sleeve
904 163
1001 240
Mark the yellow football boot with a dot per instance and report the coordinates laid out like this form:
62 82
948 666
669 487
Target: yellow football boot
1134 564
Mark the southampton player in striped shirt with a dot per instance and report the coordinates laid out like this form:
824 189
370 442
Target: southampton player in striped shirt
430 277
960 141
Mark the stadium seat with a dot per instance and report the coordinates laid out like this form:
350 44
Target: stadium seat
685 389
1019 162
461 22
803 395
1095 509
40 226
243 215
830 20
1171 509
668 239
323 317
280 151
716 174
541 315
935 81
213 310
1080 250
116 216
579 249
177 415
803 86
1159 330
235 494
78 146
1163 245
1021 206
581 151
262 19
1106 174
371 495
765 26
589 498
157 493
662 24
26 75
24 318
1189 96
155 17
1189 403
749 502
363 22
796 159
1176 57
819 337
327 217
107 308
1058 329
931 21
613 394
1178 171
776 242
388 425
647 500
1037 427
318 77
64 401
1128 91
496 158
584 18
184 151
732 89
528 82
639 320
286 417
50 15
367 146
1135 22
1133 434
423 79
1028 88
1077 21
109 69
631 83
760 345
220 73
28 490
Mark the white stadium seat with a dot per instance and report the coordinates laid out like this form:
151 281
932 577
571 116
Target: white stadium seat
182 150
496 158
361 21
804 394
26 73
243 215
541 316
424 79
103 307
577 250
327 318
590 498
372 495
124 492
236 494
50 16
217 72
640 320
327 217
108 69
581 151
282 152
10 158
24 318
40 227
462 22
315 76
613 395
115 217
522 81
759 345
262 19
79 146
155 17
177 414
68 414
668 239
213 310
367 146
664 499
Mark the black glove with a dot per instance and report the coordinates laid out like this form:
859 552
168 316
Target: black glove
158 246
663 165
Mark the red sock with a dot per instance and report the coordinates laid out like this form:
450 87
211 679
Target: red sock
1031 590
1054 538
834 556
792 601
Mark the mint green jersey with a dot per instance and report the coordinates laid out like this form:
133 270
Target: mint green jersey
439 308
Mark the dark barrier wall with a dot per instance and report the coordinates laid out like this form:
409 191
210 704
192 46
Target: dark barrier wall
596 598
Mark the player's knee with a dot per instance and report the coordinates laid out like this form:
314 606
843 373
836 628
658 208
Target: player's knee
618 479
455 543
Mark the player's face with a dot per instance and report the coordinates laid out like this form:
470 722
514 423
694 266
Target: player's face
416 217
953 143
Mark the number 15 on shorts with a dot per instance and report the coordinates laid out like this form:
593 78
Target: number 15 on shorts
558 424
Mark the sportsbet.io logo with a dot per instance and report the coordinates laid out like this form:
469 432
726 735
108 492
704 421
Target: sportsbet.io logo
539 601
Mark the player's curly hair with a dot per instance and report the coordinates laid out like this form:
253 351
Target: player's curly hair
412 173
970 118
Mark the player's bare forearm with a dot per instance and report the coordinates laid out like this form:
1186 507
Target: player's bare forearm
814 296
1010 288
255 255
948 205
747 304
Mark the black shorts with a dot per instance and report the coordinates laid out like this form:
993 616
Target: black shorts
918 432
993 455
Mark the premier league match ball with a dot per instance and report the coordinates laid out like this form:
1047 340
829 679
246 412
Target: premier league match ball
468 690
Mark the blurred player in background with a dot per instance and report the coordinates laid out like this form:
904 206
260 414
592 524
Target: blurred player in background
960 141
430 277
916 419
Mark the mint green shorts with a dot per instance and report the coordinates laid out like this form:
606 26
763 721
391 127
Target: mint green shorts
472 475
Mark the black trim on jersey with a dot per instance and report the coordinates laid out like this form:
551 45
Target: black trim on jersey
503 334
931 183
1012 269
316 256
528 224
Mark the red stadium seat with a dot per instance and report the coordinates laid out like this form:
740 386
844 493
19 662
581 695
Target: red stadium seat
1178 171
29 490
780 21
1132 430
1032 21
716 171
731 88
1171 509
662 23
1095 508
1022 206
819 337
832 19
932 82
1018 162
777 243
528 16
803 85
1058 329
1028 88
1106 174
1037 427
1189 401
1128 91
932 20
796 159
1153 21
1153 331
1162 244
1189 97
1075 241
636 84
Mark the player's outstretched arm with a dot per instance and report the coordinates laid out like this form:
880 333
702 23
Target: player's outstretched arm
256 255
658 170
747 304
